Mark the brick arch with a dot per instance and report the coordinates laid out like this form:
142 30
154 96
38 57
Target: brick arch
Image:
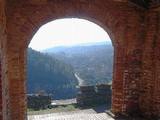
119 19
28 19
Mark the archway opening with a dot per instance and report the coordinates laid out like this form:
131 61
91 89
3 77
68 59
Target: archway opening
69 60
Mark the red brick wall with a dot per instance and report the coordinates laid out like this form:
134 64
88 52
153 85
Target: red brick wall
134 33
156 86
3 85
150 95
0 94
16 82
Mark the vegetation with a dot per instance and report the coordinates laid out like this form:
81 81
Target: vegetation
50 75
53 71
93 63
38 102
64 108
67 108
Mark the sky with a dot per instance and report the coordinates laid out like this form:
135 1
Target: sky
67 32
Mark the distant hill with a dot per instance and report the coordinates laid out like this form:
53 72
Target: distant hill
46 73
93 62
64 48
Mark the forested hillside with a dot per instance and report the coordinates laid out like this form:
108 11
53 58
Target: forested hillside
46 73
93 63
54 71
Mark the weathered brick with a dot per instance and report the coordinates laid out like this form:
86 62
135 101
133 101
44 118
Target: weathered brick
135 37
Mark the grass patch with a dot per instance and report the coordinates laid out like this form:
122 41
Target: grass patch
61 108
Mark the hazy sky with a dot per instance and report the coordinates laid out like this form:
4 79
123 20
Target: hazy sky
67 32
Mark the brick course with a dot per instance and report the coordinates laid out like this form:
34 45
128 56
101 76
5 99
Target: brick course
135 37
